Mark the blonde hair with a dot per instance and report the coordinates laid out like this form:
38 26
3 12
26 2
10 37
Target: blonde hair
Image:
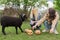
34 12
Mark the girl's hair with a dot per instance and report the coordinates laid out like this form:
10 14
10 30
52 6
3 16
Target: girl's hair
52 14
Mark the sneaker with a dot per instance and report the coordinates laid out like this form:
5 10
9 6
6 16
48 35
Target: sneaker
55 32
45 30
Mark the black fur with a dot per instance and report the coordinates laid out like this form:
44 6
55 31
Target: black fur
16 22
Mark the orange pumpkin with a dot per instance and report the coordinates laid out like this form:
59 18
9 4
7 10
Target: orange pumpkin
28 31
37 32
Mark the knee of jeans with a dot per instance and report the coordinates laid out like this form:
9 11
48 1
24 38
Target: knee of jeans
46 22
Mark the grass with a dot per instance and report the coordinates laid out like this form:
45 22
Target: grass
11 35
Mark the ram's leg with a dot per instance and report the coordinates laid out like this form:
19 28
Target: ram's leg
21 29
16 30
3 30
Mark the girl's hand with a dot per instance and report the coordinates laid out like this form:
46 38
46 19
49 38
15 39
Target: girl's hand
51 30
33 27
32 22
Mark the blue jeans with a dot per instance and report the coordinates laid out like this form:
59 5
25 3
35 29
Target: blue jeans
48 26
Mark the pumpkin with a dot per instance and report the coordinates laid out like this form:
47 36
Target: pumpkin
29 31
37 32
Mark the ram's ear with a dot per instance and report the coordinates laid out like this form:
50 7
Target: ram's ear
23 15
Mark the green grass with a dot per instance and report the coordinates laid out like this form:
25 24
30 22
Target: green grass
11 35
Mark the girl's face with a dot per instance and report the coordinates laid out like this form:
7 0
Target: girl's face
48 14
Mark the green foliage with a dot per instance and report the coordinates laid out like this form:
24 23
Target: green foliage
3 1
7 1
25 2
43 2
57 4
30 2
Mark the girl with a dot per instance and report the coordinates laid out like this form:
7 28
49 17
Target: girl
35 16
50 20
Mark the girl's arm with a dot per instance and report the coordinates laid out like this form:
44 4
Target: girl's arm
40 21
54 22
